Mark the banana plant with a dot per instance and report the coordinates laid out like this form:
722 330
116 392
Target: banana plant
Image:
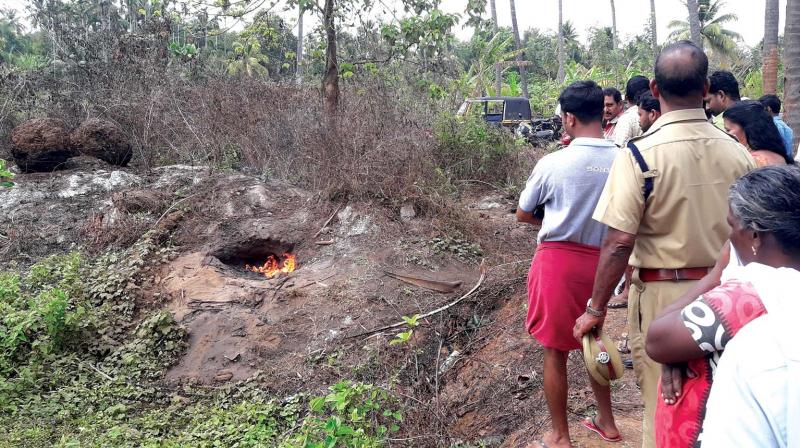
495 51
248 59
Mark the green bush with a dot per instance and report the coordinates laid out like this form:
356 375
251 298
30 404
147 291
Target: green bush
5 175
353 415
469 148
38 314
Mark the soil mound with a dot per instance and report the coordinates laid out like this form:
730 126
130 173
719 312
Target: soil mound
40 145
102 139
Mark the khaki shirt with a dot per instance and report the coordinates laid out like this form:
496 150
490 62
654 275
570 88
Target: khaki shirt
684 222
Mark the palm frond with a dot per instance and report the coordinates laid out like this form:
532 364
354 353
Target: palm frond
678 24
725 18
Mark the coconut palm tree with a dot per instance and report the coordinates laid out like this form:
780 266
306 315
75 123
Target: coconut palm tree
561 74
523 74
498 71
653 28
791 64
248 59
299 70
694 22
615 37
720 40
769 68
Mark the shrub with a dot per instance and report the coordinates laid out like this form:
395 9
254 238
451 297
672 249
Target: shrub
5 175
469 148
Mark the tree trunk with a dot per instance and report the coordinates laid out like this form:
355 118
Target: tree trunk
561 74
523 73
615 36
654 28
105 21
299 70
694 22
498 72
133 9
330 82
769 70
791 65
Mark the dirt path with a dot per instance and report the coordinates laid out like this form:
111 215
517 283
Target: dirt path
495 372
625 396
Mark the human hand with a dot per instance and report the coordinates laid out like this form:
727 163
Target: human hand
672 376
585 324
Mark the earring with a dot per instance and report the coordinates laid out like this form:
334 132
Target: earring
755 252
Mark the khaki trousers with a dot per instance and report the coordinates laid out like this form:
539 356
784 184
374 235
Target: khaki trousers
645 303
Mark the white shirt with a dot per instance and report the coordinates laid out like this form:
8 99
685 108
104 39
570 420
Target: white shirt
627 127
755 398
568 183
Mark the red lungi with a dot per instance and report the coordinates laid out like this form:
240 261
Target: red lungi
559 285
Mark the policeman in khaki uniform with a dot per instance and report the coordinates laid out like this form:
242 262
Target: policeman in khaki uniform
665 203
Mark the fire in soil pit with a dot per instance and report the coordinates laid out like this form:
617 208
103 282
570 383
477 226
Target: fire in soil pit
275 266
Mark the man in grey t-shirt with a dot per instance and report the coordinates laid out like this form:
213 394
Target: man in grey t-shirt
568 184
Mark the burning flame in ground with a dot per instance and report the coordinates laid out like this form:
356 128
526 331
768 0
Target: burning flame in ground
273 266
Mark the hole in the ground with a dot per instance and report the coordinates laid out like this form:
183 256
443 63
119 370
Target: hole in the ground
263 257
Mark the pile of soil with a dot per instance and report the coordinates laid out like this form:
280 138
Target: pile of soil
102 139
40 145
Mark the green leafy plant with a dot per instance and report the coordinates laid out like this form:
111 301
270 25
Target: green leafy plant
457 246
405 336
412 321
402 337
184 52
5 175
353 415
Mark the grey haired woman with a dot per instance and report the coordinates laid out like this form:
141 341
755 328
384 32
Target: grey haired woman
765 232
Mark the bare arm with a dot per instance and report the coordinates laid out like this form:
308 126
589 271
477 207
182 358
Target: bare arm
614 256
669 341
705 284
523 216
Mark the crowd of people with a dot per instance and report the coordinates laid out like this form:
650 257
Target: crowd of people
690 194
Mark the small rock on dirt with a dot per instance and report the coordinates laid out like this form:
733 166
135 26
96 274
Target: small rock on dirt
223 376
140 200
487 204
40 145
407 212
102 139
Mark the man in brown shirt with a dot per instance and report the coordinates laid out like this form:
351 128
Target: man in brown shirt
665 203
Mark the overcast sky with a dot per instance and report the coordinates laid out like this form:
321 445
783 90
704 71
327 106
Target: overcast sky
632 15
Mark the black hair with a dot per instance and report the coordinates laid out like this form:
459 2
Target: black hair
759 127
771 102
767 200
724 81
612 92
584 99
648 102
635 87
681 80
